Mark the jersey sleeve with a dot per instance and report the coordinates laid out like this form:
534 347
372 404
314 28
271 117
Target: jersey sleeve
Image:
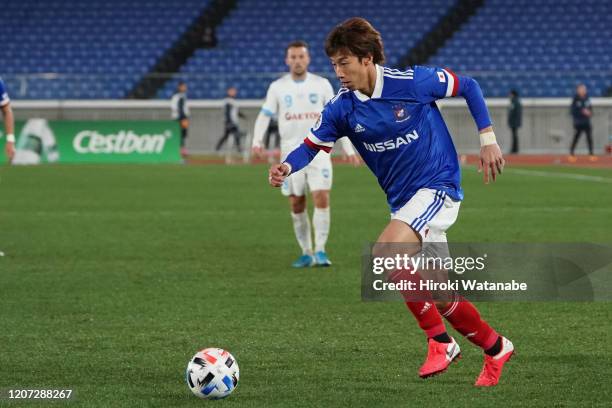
4 98
431 83
326 130
270 106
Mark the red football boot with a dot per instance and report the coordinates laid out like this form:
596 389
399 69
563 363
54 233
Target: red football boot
493 365
439 357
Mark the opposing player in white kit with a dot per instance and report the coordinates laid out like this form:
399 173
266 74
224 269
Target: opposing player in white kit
298 99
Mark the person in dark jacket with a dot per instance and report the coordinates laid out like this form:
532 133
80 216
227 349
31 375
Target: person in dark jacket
232 116
515 119
581 111
180 113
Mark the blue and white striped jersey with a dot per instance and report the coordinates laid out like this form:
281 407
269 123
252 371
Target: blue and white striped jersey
399 131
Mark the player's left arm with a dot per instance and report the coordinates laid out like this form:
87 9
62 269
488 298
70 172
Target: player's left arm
437 83
491 158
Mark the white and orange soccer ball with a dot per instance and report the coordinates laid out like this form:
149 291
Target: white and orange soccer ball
212 373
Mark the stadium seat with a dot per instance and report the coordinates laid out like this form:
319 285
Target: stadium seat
541 47
536 39
111 37
254 38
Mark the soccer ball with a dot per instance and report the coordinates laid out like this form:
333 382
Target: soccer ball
212 373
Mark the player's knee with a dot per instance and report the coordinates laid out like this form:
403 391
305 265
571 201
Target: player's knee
298 204
385 250
321 198
378 250
441 305
322 203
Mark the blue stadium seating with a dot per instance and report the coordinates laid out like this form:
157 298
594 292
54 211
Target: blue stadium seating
252 40
539 47
101 47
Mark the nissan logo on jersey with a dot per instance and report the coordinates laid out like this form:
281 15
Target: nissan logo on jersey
392 143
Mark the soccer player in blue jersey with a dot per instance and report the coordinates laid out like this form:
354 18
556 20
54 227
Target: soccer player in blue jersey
9 122
392 119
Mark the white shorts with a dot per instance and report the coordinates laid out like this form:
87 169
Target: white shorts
429 213
317 176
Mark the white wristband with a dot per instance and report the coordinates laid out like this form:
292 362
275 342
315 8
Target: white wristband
288 166
10 138
487 138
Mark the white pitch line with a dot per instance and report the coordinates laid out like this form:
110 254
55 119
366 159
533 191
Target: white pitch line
571 176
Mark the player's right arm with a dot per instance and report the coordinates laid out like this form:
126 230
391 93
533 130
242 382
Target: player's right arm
9 122
268 110
321 137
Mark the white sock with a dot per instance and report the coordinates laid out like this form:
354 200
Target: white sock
320 220
301 227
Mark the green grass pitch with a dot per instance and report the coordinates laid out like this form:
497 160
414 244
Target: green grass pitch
114 276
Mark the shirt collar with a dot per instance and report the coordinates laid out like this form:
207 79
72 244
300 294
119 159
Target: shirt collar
299 81
378 86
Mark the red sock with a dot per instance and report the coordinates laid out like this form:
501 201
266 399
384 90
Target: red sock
464 317
421 304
